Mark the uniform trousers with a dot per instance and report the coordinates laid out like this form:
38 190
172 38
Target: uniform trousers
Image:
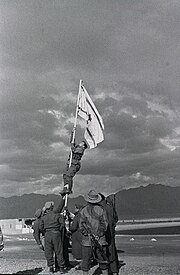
53 244
70 173
87 254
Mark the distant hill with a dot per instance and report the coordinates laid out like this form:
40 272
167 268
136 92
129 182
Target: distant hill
25 206
152 201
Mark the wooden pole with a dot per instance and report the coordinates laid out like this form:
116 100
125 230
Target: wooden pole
74 133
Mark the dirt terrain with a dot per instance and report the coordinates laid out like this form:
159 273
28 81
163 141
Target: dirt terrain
150 255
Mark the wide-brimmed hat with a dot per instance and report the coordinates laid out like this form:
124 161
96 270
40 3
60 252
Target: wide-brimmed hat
48 205
92 197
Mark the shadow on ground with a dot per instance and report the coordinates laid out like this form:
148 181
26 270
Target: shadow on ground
30 271
97 271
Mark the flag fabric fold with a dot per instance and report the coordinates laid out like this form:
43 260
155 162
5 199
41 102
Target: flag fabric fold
88 111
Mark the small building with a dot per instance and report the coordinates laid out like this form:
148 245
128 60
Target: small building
16 226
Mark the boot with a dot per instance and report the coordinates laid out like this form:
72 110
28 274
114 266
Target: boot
66 190
78 267
62 270
51 269
104 272
69 191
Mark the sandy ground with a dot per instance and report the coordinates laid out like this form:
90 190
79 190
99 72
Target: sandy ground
152 255
134 266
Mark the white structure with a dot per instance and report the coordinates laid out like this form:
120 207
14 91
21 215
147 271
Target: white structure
15 226
153 240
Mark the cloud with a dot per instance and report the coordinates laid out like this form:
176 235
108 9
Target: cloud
128 57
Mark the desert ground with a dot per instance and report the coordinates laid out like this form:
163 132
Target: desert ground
143 254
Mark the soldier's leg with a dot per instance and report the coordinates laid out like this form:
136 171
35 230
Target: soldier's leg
56 263
68 178
68 175
58 248
104 272
72 170
86 256
66 250
48 249
68 183
71 173
103 264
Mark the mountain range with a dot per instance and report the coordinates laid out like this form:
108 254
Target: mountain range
151 201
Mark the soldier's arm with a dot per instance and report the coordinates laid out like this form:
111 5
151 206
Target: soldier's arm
41 225
82 224
79 150
61 221
71 137
103 224
75 224
115 215
73 147
60 206
36 233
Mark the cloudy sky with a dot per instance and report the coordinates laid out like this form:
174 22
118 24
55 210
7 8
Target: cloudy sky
127 53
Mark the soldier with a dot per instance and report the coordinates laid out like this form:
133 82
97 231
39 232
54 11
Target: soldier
110 233
93 223
76 236
37 233
52 224
69 173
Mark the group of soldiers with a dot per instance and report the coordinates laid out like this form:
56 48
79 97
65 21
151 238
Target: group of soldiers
91 230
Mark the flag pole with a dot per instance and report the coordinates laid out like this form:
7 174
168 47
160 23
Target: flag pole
74 133
75 120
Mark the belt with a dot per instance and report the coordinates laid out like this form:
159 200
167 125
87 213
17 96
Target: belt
52 230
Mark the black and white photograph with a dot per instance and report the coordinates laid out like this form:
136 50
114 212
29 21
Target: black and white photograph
90 137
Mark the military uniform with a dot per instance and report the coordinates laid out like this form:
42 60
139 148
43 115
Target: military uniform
52 224
110 234
37 233
94 218
69 173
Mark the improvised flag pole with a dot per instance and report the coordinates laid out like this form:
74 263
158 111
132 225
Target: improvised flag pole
93 135
74 133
